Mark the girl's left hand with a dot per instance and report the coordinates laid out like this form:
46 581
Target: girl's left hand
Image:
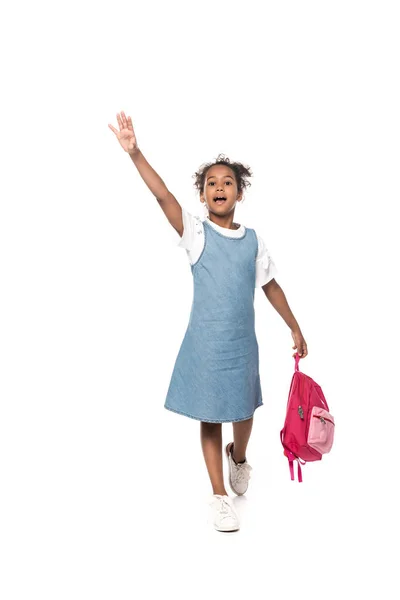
299 343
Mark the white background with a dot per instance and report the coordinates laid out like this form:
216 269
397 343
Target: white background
104 492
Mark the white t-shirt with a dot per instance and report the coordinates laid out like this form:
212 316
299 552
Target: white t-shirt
193 242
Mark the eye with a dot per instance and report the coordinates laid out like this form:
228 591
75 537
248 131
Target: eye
213 182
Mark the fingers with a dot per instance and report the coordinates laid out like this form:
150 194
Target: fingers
124 121
302 351
113 129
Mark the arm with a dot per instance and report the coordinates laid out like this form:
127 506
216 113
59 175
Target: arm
169 204
277 298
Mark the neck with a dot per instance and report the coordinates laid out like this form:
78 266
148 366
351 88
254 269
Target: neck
223 221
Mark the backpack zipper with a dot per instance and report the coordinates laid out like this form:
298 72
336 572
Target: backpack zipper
323 419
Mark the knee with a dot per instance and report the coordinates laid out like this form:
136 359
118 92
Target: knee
210 429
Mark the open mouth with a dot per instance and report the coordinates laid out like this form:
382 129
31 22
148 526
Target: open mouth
220 199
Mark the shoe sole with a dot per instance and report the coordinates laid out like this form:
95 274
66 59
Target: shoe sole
226 530
230 480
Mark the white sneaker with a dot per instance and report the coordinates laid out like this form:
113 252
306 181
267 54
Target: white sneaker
239 474
224 516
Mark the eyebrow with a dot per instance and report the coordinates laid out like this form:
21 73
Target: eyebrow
211 176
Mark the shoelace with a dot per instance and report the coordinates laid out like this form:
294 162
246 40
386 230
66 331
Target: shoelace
242 472
224 507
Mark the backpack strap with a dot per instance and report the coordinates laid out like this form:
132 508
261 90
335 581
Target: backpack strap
291 457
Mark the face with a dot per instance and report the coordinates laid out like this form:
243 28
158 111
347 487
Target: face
220 182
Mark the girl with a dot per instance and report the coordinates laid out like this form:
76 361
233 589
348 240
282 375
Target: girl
216 374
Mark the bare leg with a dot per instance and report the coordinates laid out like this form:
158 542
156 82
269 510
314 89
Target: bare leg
241 435
211 442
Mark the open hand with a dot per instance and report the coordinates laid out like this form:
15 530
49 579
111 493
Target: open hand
299 343
125 135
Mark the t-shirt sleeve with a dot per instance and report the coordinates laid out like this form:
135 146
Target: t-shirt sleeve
265 266
191 225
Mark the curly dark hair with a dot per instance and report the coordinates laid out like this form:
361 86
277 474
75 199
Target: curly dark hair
240 171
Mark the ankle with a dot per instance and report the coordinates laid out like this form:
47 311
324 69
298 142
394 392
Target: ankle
241 459
220 492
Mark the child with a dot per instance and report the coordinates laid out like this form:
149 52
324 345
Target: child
216 374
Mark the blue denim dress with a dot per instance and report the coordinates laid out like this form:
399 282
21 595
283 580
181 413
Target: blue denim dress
216 374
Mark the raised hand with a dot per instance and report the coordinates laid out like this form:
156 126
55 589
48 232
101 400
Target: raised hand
125 135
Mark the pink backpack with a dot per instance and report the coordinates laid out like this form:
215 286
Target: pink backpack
309 427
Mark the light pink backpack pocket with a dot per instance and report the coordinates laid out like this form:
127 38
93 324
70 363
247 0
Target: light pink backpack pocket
321 430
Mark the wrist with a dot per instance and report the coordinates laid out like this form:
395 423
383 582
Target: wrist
134 153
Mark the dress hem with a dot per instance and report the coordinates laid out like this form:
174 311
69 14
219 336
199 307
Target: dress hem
179 412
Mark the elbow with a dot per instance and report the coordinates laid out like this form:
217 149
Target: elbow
164 196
